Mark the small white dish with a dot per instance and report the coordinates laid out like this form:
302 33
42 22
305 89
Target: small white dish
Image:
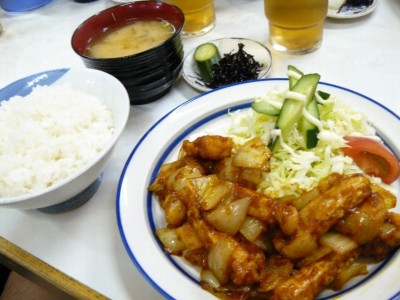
349 12
226 45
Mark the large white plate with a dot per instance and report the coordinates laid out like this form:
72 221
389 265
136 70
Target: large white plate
349 12
139 214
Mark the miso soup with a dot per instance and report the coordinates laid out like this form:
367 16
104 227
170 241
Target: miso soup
130 39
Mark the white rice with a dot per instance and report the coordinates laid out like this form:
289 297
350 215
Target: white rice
49 135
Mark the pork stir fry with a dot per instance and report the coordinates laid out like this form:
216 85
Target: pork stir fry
248 245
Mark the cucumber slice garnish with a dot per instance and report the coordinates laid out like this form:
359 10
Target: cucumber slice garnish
307 129
205 56
292 109
294 75
265 108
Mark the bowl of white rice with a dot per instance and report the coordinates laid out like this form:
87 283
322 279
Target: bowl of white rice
58 130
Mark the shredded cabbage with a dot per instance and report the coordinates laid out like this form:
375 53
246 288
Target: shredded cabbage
294 169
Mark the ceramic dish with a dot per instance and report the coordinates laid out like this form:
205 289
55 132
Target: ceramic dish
148 75
13 6
139 214
76 189
226 45
349 12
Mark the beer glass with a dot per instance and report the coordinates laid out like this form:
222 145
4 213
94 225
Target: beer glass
296 26
199 16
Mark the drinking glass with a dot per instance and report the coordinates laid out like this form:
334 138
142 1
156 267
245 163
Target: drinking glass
199 16
296 26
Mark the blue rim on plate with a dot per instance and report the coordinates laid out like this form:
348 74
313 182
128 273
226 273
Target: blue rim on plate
143 202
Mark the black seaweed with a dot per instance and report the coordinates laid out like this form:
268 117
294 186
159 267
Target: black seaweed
234 67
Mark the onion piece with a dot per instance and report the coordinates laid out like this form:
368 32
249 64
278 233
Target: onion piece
251 228
175 210
170 240
253 154
215 193
203 182
200 187
302 245
209 277
338 242
228 217
249 178
220 258
316 255
179 179
226 170
306 198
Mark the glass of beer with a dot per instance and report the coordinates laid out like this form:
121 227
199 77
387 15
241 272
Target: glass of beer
296 26
199 16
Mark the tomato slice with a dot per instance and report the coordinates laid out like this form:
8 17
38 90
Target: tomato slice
373 158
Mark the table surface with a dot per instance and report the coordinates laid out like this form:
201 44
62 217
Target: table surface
361 54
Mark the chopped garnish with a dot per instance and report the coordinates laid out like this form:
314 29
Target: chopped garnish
234 67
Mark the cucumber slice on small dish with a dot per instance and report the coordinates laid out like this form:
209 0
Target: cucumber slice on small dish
205 56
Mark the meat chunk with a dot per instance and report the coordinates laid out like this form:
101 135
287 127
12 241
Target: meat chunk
347 192
364 222
310 280
387 240
323 212
209 147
